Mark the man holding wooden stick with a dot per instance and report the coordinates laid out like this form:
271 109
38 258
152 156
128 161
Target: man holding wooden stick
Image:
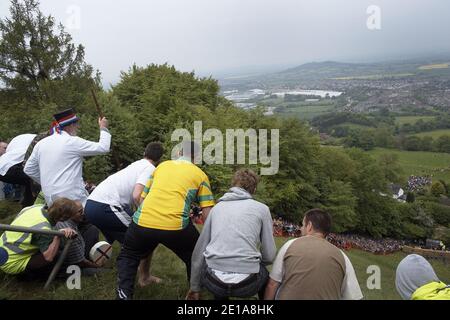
56 162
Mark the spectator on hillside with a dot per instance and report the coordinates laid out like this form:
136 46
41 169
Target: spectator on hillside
34 254
236 244
11 166
415 279
111 204
78 253
164 216
311 268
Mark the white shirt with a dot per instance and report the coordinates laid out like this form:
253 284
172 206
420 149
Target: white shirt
15 152
117 189
56 163
230 277
350 289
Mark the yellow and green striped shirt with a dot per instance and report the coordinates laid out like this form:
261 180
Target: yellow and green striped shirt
169 192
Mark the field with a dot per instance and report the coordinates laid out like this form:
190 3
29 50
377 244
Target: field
433 134
434 66
167 266
420 162
353 125
305 112
411 119
376 76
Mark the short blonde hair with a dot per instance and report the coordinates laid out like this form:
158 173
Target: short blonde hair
246 179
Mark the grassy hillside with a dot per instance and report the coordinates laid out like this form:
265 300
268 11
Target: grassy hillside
412 119
167 266
433 134
305 112
420 162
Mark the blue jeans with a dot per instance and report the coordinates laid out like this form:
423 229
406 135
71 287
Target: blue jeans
255 283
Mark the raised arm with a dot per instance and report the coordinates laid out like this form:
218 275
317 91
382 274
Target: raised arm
90 148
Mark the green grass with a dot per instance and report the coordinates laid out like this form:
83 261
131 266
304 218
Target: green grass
412 119
433 134
420 162
353 125
167 266
305 112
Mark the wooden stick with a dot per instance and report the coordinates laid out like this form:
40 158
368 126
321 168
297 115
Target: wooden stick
99 110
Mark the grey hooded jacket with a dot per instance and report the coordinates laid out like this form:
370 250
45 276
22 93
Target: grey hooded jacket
237 236
413 272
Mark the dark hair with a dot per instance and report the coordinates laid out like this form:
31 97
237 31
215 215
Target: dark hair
246 179
62 209
154 151
321 220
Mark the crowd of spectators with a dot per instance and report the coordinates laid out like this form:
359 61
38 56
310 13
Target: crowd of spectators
416 183
376 246
283 228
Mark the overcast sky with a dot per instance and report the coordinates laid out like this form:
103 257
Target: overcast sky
210 36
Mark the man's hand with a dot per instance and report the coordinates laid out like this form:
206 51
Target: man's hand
103 123
191 295
69 233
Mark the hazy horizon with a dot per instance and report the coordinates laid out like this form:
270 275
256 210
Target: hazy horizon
229 36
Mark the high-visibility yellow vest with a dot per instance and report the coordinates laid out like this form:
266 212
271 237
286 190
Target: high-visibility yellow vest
18 244
432 291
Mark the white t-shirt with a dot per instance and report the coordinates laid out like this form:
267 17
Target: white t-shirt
117 189
15 152
350 289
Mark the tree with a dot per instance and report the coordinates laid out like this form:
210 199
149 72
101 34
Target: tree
361 138
38 58
410 197
391 167
442 144
340 203
437 189
384 138
412 143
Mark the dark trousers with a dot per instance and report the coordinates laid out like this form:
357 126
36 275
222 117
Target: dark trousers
102 216
255 283
37 268
15 175
91 236
139 242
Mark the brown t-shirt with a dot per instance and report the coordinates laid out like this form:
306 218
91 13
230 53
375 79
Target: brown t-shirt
314 269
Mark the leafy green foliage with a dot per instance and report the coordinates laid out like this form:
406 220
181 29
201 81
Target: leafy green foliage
43 71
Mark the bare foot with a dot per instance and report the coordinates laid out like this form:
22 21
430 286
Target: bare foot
148 281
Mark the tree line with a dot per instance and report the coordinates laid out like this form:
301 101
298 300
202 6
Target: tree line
42 71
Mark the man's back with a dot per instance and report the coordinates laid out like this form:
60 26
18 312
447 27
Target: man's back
313 269
60 165
117 189
15 152
57 164
175 184
239 225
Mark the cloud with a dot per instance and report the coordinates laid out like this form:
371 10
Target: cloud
206 36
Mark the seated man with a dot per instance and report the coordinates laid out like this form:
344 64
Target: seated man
415 279
34 253
311 268
227 259
78 253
